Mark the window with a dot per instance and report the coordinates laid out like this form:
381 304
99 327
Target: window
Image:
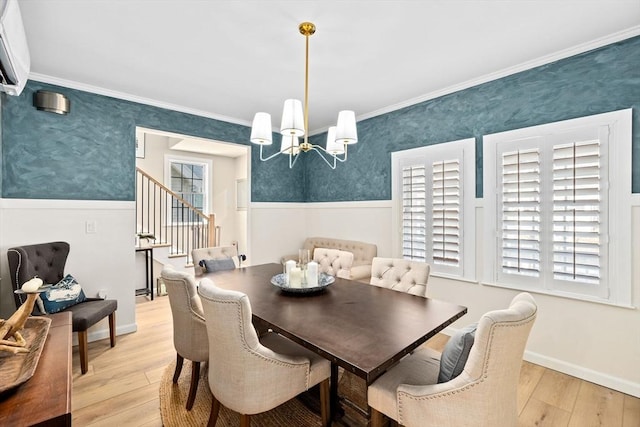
434 204
548 193
189 180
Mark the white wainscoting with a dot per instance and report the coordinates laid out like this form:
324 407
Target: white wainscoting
596 342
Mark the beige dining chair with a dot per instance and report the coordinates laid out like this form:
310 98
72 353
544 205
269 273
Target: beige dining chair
189 328
213 253
250 375
333 262
400 275
483 394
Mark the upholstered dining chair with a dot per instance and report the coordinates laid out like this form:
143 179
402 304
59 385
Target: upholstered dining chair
47 261
250 375
400 275
483 394
189 328
333 262
214 253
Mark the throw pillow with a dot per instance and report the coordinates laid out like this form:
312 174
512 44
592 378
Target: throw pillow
62 295
212 265
455 353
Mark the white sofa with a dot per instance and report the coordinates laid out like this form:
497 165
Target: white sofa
363 254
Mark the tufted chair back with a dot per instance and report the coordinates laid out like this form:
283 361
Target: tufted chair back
400 275
333 261
214 252
45 260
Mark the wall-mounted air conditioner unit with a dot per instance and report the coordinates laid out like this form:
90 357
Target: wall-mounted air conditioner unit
15 62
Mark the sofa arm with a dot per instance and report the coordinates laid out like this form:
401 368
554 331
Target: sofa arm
361 273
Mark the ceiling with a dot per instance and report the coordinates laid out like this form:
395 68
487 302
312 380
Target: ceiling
230 59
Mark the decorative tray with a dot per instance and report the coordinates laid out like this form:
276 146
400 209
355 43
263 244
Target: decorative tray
324 280
16 369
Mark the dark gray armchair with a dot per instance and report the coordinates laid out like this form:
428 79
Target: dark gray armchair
47 261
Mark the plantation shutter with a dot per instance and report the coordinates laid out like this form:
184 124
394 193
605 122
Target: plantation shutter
520 217
414 212
446 198
577 212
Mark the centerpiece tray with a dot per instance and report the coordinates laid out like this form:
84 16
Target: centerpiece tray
324 280
16 369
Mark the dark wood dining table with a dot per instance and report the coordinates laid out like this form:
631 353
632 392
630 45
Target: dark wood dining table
362 328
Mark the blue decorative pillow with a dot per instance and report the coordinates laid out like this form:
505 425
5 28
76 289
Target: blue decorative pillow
64 294
212 265
455 353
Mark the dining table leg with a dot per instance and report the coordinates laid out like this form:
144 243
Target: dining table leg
333 392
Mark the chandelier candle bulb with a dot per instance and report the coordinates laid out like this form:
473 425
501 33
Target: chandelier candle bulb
288 266
295 278
312 274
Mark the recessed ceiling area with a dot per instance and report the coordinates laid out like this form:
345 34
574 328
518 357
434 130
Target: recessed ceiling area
204 146
230 59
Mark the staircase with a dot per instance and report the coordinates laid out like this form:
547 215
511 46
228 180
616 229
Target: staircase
156 210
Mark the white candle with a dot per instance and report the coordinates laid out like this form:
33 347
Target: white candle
288 266
312 274
295 278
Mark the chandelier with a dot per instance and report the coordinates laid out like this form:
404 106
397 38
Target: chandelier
295 124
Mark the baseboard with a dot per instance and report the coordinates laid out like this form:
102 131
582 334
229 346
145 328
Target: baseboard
104 333
605 380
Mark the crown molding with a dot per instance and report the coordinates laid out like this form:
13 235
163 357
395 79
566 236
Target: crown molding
43 78
543 60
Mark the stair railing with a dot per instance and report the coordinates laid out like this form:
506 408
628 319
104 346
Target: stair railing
170 219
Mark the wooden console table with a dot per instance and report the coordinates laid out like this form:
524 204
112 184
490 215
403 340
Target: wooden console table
45 399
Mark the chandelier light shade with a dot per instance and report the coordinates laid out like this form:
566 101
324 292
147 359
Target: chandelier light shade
292 118
295 124
346 132
261 129
290 145
334 147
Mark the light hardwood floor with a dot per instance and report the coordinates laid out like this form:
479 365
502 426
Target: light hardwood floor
121 387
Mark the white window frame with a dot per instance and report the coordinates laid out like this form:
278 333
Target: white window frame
168 160
616 275
464 151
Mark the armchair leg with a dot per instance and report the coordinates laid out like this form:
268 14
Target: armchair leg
324 403
377 418
112 329
195 377
176 373
245 420
215 410
83 347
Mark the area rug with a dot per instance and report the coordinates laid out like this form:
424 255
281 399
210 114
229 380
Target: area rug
173 398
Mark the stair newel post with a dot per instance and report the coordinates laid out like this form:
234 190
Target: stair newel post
212 230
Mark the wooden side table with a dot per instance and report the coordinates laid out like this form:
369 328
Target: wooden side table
45 399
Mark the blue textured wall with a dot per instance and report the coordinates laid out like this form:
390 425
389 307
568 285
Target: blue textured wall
89 154
599 81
